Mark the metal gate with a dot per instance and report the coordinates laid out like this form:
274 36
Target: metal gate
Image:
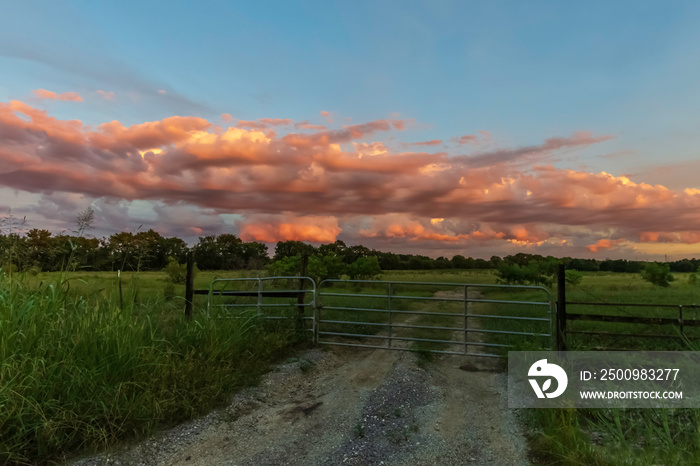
448 318
270 297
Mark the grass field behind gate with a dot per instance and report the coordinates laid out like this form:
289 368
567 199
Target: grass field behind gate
79 371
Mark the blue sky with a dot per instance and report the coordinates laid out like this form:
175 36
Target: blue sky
521 71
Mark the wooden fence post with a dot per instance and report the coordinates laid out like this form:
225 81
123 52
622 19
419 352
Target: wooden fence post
561 309
189 286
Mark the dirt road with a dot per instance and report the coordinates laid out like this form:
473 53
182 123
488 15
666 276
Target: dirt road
350 406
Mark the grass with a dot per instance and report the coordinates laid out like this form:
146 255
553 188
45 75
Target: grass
78 373
621 436
578 436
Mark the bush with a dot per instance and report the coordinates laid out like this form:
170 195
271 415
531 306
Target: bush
692 279
657 274
364 268
574 277
533 273
176 272
319 268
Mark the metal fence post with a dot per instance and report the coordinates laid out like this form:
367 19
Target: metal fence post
680 317
466 326
316 314
390 292
260 296
561 309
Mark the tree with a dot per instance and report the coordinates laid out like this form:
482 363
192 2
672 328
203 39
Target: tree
461 262
534 273
292 248
255 255
364 268
290 266
658 274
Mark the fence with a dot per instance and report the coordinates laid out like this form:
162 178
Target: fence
296 298
388 317
392 329
390 323
679 322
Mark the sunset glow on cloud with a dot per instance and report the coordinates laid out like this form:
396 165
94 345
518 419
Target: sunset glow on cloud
352 180
69 96
453 128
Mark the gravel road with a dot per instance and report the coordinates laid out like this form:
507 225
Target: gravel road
349 406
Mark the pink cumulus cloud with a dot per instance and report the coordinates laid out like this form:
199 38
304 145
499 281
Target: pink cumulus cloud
67 96
342 181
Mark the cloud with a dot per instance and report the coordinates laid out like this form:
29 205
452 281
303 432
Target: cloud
466 139
339 182
264 123
306 125
532 153
432 142
314 229
327 116
604 244
95 66
107 95
68 96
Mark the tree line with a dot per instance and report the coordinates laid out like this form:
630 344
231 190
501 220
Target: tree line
42 251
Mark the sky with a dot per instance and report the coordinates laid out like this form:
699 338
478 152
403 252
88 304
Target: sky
435 128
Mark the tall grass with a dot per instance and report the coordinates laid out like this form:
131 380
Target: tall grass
77 372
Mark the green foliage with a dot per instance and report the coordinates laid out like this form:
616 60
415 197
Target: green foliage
364 268
534 273
289 266
169 291
228 252
574 277
319 268
692 279
286 249
657 274
77 372
176 273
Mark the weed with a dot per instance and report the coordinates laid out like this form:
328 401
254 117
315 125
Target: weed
168 291
306 365
78 372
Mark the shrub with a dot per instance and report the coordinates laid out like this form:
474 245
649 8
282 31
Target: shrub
319 268
364 268
574 277
176 272
533 273
692 278
657 274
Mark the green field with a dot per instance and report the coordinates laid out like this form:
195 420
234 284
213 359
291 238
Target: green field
83 368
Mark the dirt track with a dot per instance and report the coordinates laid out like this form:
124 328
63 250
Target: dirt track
352 406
